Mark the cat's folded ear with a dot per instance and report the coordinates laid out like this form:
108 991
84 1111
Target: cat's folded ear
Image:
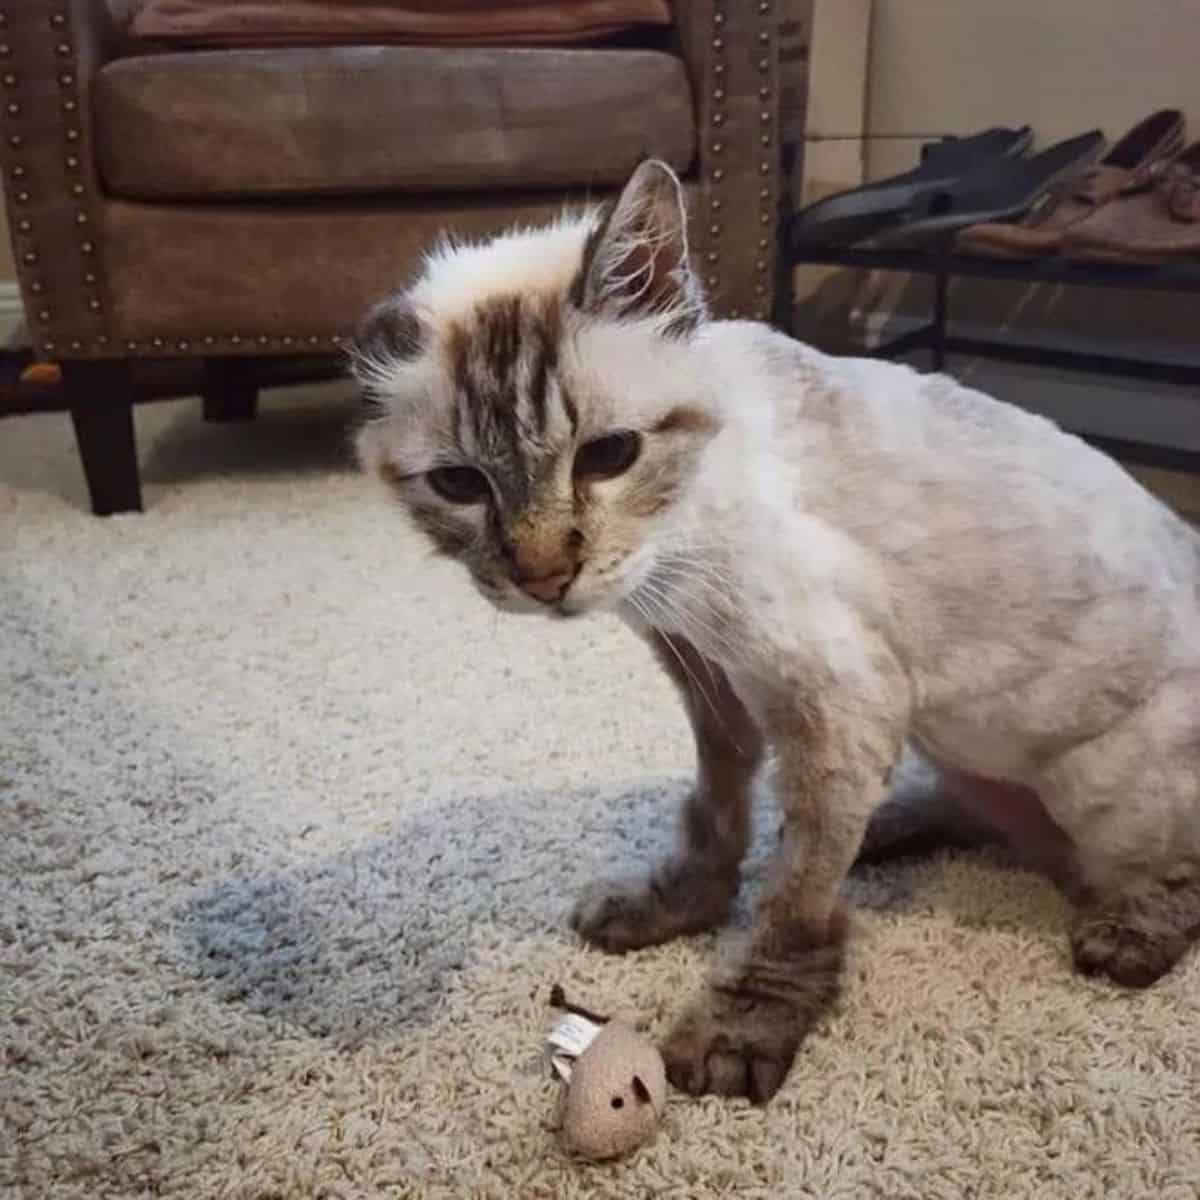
389 334
636 261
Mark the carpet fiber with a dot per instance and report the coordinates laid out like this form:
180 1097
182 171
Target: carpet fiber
289 825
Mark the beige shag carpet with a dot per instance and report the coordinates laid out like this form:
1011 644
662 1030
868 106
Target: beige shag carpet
289 824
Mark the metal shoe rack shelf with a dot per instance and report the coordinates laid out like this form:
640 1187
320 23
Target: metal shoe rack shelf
936 337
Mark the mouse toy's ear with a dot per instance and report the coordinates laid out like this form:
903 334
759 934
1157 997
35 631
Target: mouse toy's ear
636 262
640 1090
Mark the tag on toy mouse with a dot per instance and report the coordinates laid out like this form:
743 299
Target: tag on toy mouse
569 1039
616 1082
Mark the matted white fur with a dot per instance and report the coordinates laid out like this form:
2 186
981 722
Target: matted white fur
870 558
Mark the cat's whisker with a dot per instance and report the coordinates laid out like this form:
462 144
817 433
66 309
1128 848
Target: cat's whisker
693 679
687 586
690 622
713 587
649 608
697 566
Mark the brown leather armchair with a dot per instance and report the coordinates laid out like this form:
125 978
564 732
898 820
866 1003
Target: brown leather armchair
240 203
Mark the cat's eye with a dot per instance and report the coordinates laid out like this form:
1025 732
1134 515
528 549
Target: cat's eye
460 485
608 456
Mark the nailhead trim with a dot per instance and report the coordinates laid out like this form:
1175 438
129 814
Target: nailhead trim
718 119
67 80
14 110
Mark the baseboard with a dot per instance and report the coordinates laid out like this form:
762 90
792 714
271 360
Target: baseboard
12 311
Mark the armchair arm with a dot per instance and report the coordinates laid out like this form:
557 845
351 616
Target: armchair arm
746 62
49 52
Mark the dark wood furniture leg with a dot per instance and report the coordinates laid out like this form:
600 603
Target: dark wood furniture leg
230 392
100 396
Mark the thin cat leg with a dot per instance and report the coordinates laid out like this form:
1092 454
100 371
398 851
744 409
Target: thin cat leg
740 1036
692 889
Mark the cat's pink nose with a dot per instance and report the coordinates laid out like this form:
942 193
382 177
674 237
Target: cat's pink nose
547 588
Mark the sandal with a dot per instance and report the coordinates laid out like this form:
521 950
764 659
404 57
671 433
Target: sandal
1002 190
853 215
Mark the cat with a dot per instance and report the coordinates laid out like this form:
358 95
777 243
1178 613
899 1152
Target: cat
835 558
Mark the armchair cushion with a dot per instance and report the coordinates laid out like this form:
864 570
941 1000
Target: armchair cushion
363 120
440 22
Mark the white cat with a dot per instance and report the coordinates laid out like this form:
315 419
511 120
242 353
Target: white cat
833 557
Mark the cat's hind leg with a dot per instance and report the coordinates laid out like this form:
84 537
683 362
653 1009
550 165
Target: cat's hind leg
1137 936
1130 800
693 889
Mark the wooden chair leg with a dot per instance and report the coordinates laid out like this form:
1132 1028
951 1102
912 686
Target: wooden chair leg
100 397
230 393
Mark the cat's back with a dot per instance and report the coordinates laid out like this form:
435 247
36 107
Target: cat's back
861 425
956 493
874 409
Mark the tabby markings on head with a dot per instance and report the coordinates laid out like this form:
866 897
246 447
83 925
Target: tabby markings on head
504 364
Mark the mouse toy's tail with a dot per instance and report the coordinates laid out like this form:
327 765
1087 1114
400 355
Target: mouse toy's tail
558 999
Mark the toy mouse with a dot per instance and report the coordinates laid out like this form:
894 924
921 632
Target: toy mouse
616 1082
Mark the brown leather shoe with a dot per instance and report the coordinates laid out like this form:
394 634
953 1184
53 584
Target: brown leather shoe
1122 169
1159 223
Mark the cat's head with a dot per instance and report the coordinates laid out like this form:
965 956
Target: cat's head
539 404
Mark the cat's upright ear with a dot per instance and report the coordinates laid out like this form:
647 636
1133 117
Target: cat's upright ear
636 262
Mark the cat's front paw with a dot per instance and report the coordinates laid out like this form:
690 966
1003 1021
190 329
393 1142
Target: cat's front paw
621 914
741 1036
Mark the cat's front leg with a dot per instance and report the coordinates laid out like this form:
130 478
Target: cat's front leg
741 1034
692 889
